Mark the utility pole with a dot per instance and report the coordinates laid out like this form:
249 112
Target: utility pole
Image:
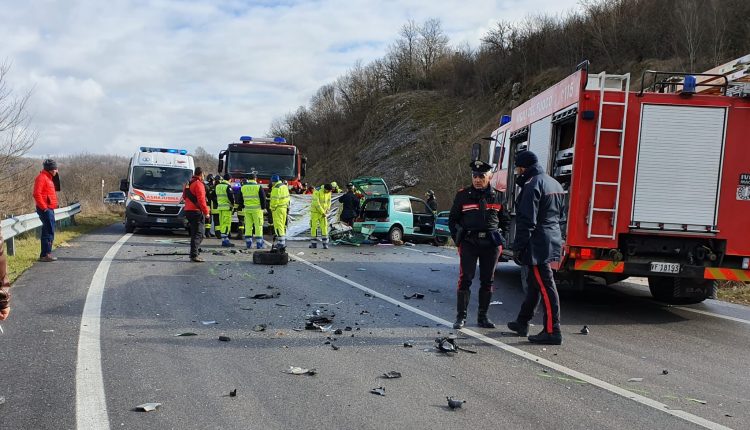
102 200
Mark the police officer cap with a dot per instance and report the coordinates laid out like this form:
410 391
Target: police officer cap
526 159
227 176
328 187
430 193
49 164
480 167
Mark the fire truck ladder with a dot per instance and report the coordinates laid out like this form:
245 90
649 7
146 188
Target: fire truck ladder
598 185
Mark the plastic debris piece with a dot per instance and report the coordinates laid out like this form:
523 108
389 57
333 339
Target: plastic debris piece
208 322
186 334
300 253
433 290
635 380
434 270
392 375
408 345
347 328
380 391
338 331
259 327
496 302
270 272
2 400
455 403
224 338
665 372
148 407
414 296
334 347
361 269
233 393
246 308
448 345
294 370
262 296
702 402
585 330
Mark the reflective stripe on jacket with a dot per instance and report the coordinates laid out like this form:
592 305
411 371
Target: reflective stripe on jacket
279 196
251 195
223 201
321 201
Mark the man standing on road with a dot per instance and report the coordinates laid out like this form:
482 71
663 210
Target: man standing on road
196 212
321 204
253 201
279 206
225 203
477 221
538 242
349 205
46 184
5 286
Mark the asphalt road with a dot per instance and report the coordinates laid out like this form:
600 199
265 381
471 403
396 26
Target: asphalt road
50 376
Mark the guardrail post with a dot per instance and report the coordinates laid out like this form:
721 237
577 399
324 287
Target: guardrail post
11 246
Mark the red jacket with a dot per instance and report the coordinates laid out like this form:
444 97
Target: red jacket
199 192
44 191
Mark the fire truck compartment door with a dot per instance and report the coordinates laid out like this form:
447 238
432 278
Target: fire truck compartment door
679 165
540 140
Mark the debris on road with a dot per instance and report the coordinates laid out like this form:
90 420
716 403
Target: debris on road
313 326
702 402
433 290
294 370
320 317
334 347
148 407
408 345
380 391
361 269
665 372
262 296
233 393
208 322
338 331
2 400
224 338
270 272
496 302
585 330
186 334
434 270
414 296
455 403
259 327
391 375
448 345
635 380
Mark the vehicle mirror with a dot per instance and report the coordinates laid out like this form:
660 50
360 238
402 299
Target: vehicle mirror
496 156
124 185
476 151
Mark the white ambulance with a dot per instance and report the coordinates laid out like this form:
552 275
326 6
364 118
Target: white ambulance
156 177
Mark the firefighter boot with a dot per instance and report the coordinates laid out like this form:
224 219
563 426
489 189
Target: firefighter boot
225 242
249 242
325 243
462 303
485 296
259 243
314 243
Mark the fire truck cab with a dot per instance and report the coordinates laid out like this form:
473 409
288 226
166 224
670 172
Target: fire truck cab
657 180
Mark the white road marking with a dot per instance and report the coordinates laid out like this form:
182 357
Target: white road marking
91 403
531 357
702 312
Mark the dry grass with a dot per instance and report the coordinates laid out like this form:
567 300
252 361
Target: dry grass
735 292
27 246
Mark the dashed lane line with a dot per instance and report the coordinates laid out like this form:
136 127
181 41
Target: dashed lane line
646 401
430 253
91 402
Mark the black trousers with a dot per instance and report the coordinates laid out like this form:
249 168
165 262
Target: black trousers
541 286
196 226
472 250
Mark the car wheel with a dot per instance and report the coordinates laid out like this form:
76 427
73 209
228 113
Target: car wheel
395 234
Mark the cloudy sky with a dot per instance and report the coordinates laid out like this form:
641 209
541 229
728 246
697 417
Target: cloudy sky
109 76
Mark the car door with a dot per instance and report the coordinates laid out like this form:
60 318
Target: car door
401 214
424 218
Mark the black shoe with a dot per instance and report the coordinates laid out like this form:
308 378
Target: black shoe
545 338
520 329
459 324
485 322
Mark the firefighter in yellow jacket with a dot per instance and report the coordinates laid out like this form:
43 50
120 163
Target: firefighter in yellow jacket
225 203
279 206
321 204
252 199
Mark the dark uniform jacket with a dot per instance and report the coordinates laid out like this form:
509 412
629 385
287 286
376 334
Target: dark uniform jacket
350 205
432 203
476 211
538 239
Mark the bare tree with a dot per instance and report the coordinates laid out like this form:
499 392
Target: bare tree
205 160
690 27
433 44
16 138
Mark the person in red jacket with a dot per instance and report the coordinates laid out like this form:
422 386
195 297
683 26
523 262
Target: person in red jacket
45 186
5 286
196 212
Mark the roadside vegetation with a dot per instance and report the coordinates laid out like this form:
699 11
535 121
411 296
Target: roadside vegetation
735 292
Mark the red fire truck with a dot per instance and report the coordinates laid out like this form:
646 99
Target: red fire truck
657 179
266 157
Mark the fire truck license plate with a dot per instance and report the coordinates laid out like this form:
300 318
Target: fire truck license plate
161 220
665 267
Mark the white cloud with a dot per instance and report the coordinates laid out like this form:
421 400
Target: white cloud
110 76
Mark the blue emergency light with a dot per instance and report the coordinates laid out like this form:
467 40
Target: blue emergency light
167 150
504 120
245 139
279 140
689 84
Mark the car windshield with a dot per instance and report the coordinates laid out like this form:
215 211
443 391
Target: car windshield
165 179
264 164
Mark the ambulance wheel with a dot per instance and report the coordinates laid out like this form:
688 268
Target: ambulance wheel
680 291
395 234
129 226
270 258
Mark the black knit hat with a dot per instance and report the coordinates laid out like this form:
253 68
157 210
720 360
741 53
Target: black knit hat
49 164
526 159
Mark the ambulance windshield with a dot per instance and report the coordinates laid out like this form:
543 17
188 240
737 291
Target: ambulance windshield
164 179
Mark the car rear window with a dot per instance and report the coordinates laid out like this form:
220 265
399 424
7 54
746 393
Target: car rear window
375 208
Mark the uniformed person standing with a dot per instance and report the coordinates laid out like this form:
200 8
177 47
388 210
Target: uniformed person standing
477 221
279 206
214 206
225 203
321 205
253 201
208 184
538 242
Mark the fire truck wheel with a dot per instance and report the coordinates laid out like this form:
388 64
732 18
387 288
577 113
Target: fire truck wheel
129 226
271 258
680 291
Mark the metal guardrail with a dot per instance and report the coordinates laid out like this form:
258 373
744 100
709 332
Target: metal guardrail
16 225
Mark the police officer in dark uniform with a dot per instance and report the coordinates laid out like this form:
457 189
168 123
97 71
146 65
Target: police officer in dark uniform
477 219
538 242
